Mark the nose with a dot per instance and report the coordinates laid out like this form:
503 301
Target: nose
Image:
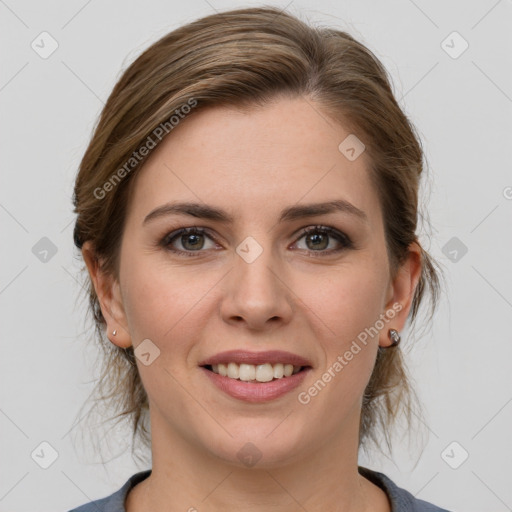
256 294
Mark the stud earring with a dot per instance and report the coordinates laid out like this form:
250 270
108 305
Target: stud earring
114 332
394 337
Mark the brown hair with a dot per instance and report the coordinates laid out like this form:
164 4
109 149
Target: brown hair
243 59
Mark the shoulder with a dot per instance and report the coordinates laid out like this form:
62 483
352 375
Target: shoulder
114 502
401 500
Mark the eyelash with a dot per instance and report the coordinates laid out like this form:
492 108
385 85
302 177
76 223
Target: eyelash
326 230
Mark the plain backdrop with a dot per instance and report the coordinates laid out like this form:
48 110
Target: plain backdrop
456 89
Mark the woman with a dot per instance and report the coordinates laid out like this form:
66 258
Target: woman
254 268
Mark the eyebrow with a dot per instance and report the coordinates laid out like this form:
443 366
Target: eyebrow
204 211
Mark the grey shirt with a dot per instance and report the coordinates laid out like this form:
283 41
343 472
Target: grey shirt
401 500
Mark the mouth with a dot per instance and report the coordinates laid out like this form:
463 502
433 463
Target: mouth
256 376
266 372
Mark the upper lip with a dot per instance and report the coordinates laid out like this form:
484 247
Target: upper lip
243 356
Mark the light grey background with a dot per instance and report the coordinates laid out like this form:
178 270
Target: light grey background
462 108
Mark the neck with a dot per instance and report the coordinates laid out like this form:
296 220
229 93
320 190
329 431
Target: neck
185 477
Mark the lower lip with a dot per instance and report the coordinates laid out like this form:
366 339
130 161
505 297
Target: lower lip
256 391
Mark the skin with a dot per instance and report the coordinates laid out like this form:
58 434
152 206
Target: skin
253 165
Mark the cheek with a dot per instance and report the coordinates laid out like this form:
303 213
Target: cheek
162 303
346 305
349 304
146 301
346 300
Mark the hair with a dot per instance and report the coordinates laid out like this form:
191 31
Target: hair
244 59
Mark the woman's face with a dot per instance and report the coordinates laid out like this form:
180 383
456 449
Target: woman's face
255 282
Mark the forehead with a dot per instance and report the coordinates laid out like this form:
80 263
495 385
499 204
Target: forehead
284 153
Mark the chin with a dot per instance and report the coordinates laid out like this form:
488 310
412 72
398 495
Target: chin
258 451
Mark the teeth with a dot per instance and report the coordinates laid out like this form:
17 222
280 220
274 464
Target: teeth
278 371
260 373
264 372
233 371
246 372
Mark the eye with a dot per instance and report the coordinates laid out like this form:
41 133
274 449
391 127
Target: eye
190 239
318 238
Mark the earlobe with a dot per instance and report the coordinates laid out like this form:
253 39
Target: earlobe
109 297
403 288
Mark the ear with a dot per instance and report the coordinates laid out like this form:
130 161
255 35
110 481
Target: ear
109 296
401 292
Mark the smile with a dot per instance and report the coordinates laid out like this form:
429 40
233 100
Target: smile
255 373
255 376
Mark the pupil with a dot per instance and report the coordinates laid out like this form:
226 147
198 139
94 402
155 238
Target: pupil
195 240
318 239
